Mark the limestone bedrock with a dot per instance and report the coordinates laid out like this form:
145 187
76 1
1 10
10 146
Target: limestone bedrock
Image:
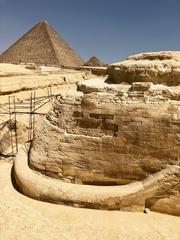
156 67
113 134
101 139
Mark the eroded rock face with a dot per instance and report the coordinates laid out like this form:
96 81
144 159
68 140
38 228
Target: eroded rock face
157 67
103 138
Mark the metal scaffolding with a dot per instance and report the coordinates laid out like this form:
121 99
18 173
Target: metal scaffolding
30 107
31 116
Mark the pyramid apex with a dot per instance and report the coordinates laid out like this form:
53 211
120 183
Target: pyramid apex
43 21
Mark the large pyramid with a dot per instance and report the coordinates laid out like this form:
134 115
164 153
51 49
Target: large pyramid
41 45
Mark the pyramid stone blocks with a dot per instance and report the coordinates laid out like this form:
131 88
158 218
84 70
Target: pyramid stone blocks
41 45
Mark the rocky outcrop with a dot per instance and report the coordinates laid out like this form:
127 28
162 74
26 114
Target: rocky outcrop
99 71
13 82
159 68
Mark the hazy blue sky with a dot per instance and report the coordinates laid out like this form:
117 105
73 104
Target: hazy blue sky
111 30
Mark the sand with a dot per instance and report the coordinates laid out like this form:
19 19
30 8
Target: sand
23 218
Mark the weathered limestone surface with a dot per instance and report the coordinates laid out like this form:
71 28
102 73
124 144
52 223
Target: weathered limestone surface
103 139
101 71
113 134
157 67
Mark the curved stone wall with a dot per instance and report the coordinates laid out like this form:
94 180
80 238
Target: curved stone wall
107 139
159 187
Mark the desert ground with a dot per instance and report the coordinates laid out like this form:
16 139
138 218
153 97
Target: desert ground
24 218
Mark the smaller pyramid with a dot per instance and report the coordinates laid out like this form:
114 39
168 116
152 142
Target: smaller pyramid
41 45
94 62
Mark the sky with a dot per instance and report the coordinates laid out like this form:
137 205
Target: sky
111 30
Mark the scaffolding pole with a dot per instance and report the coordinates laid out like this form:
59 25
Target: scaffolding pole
13 125
31 116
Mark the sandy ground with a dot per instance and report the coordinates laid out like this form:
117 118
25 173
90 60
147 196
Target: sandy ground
22 218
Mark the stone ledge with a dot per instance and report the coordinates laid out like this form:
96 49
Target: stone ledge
131 197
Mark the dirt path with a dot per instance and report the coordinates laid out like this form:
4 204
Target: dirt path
23 218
